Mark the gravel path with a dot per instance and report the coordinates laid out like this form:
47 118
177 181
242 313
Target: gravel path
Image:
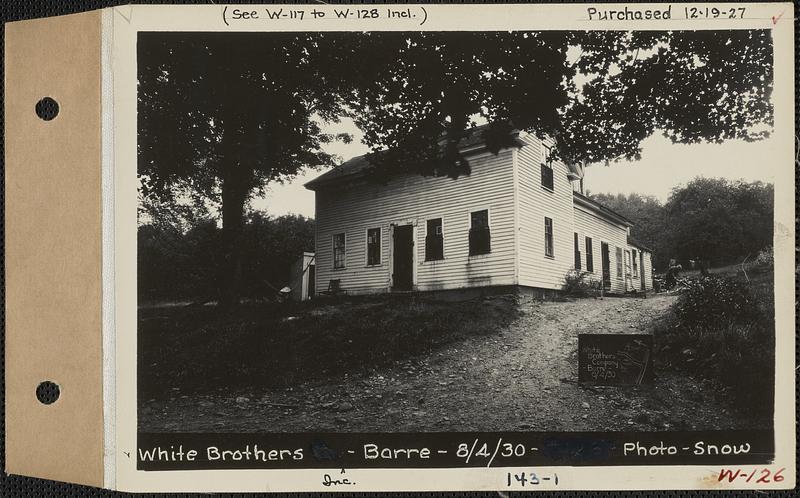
520 379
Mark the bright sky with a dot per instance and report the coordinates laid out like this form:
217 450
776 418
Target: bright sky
663 166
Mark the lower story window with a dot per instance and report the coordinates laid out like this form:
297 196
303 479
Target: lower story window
577 253
373 246
434 240
589 255
548 237
338 250
480 239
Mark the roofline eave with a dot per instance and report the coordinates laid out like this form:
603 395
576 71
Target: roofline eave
601 210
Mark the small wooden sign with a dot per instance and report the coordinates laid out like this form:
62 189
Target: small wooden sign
615 359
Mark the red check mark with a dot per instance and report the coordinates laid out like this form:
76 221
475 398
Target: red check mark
775 19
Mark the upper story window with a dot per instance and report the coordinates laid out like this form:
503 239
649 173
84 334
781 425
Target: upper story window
434 240
480 240
589 255
577 253
338 250
547 167
373 246
548 237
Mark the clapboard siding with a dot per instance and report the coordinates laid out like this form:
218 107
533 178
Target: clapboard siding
413 199
589 224
536 203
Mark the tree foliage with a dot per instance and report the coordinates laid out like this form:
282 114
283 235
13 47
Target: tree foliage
692 86
221 115
713 219
710 219
177 265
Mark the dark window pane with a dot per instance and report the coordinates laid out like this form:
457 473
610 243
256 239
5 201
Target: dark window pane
548 237
374 246
338 250
434 240
547 177
479 219
577 253
479 241
589 255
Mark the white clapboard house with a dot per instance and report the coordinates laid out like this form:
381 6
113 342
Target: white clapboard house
520 219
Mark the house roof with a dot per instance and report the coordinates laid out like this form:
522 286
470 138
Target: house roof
601 209
350 167
357 165
633 242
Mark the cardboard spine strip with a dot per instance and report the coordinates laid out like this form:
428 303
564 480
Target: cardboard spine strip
53 220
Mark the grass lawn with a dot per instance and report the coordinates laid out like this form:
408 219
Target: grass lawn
198 349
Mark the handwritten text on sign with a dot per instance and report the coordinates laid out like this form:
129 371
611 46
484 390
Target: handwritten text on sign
615 359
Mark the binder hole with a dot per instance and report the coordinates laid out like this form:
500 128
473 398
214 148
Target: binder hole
48 392
47 108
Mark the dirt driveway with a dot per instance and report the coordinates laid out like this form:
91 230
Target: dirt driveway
520 379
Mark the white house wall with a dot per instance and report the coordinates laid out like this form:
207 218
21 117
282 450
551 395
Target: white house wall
536 202
589 224
414 199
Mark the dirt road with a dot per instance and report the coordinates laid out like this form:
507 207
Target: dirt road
521 379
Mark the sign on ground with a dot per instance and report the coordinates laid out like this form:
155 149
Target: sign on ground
615 359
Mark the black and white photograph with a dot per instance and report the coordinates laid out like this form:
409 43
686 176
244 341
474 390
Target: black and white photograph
455 231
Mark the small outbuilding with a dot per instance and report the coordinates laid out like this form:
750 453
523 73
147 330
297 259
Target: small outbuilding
302 281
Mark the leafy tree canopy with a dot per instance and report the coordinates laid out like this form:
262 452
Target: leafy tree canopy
710 219
713 219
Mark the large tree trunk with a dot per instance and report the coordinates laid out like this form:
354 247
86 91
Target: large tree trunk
234 196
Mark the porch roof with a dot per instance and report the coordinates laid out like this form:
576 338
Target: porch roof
600 209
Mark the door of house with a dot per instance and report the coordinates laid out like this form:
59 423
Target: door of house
312 280
641 270
403 256
628 272
606 260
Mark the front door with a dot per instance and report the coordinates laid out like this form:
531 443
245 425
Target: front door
606 259
312 280
641 269
403 264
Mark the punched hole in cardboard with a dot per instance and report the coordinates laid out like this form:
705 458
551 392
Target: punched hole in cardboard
47 109
48 392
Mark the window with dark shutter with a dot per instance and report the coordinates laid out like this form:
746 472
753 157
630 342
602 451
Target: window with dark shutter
547 168
577 253
374 246
480 240
434 240
338 250
635 264
548 237
589 255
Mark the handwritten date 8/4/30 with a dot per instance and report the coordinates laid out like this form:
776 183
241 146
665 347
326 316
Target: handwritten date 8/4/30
714 12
